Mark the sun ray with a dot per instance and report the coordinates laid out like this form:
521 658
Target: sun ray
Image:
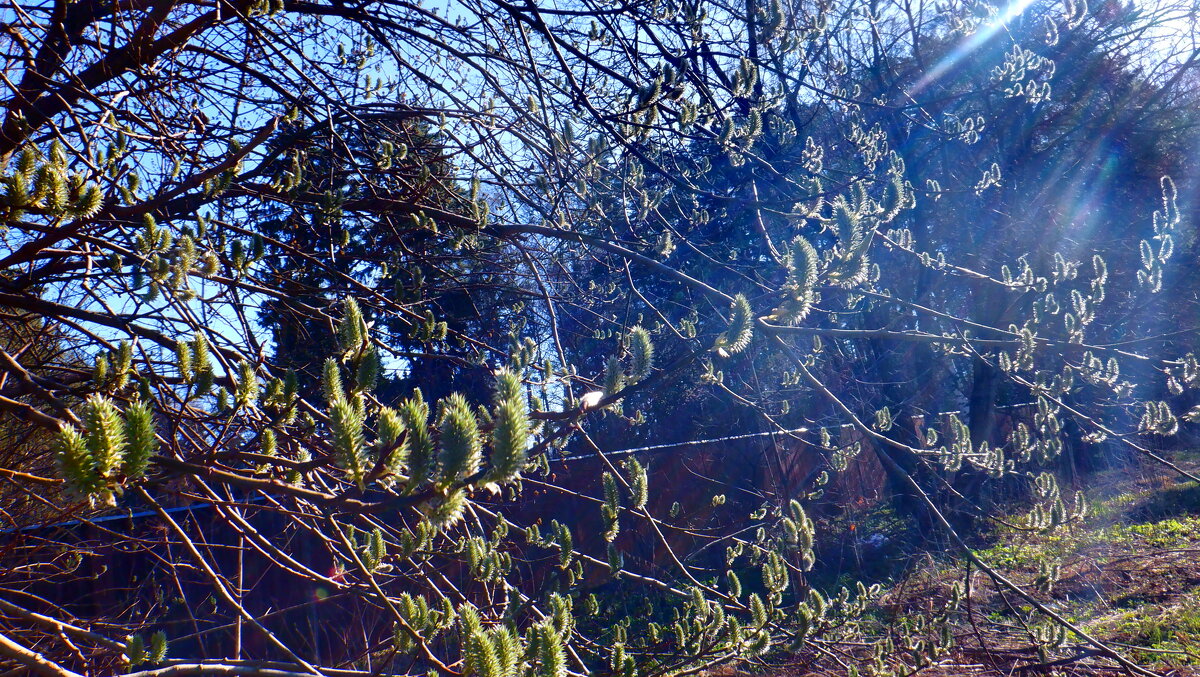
971 44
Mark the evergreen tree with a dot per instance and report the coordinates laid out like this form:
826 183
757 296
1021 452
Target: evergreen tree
376 211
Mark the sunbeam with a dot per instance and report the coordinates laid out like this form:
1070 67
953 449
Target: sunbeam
971 44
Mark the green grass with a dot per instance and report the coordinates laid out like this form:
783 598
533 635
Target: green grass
1169 533
1171 627
1122 520
1125 579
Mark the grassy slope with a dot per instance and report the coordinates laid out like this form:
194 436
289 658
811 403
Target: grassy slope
1130 575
